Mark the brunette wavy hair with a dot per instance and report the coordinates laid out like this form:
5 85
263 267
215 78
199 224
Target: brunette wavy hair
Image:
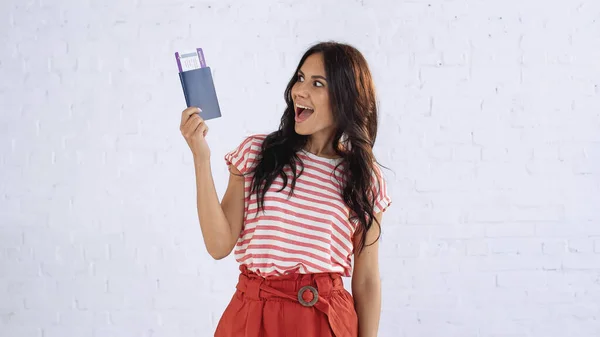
354 108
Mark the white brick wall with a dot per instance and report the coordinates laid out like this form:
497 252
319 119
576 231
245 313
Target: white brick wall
489 120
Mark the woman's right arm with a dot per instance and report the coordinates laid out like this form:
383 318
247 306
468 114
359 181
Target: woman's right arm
220 222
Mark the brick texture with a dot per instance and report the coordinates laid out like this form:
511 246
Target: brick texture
490 126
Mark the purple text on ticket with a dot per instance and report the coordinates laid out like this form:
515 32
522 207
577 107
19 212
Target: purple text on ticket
201 57
178 62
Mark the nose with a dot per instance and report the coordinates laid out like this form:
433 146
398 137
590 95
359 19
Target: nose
300 90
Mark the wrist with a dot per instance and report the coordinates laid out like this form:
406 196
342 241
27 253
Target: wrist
201 161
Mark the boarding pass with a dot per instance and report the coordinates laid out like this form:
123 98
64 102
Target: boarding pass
190 60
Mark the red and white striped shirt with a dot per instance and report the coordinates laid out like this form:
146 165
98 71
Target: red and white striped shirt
309 232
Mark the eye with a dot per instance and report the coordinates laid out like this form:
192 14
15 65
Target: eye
319 84
300 78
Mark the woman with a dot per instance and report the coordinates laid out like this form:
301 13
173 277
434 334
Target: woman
300 203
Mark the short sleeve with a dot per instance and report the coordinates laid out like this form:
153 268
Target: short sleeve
380 191
244 156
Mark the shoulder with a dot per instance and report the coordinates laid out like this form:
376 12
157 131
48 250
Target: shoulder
253 140
252 143
244 156
377 177
382 198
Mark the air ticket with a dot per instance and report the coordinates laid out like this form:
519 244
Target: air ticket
190 60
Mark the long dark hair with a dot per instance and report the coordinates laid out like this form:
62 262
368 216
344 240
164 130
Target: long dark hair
353 103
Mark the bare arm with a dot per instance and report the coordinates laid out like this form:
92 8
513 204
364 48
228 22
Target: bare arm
366 284
220 222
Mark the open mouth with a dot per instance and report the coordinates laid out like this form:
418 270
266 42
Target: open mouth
303 112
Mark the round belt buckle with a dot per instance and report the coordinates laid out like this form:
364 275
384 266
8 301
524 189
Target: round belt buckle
313 290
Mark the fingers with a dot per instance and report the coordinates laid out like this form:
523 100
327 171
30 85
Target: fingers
191 125
202 129
195 125
187 113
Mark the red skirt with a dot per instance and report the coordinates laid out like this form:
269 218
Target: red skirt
297 305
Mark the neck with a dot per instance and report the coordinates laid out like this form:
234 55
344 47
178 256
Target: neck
321 145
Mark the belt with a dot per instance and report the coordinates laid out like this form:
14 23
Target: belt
314 295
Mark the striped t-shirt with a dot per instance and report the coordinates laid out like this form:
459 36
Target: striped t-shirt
309 232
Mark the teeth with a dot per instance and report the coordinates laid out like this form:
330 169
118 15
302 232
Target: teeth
303 107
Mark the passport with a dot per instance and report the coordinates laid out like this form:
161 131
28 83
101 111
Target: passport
197 84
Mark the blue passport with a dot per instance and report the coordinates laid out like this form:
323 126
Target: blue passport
199 91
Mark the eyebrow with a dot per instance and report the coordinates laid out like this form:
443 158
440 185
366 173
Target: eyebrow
314 76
